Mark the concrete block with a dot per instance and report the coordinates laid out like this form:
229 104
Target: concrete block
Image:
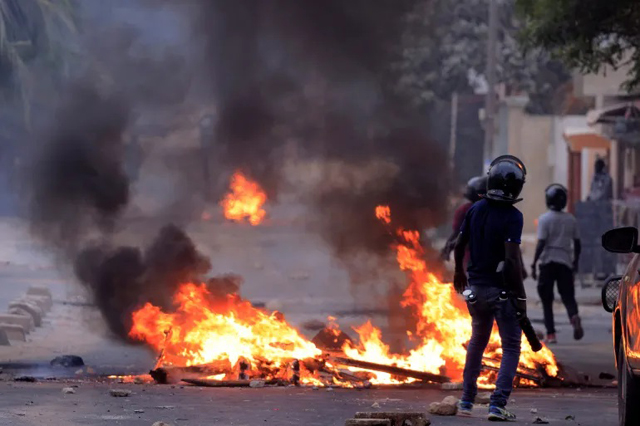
39 291
397 418
14 332
43 302
4 340
46 299
31 308
368 422
24 320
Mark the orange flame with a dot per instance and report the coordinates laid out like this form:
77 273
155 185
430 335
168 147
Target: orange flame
384 214
228 332
245 200
203 330
443 326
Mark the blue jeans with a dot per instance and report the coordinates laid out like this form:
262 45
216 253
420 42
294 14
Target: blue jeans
487 308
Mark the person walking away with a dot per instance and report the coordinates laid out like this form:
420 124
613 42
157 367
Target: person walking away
492 230
558 251
601 184
476 189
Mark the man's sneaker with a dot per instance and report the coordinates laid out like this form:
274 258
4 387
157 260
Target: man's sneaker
465 408
551 338
498 414
578 332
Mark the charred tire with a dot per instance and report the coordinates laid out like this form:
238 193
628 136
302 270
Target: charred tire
628 392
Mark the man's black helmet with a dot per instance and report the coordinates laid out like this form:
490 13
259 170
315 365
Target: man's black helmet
556 196
505 179
476 188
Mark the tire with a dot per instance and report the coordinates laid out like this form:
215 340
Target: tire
628 392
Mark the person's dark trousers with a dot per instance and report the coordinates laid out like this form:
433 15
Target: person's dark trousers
484 311
551 273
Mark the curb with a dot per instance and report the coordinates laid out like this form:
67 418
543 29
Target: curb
29 307
25 321
14 332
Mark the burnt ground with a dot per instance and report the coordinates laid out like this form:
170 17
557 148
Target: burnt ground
288 270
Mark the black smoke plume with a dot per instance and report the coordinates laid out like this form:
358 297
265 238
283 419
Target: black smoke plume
314 74
125 278
77 183
319 74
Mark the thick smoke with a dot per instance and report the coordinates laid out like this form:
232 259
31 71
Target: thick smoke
125 278
319 75
78 185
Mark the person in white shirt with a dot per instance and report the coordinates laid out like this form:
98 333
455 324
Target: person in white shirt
558 251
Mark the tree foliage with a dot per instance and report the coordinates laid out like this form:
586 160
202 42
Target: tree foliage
32 32
444 50
586 34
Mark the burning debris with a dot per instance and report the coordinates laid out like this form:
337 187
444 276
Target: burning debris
225 338
245 201
339 108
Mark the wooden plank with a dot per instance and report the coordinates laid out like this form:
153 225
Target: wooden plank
536 379
397 371
230 383
219 383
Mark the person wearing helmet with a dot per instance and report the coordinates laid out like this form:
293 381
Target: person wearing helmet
492 230
558 251
476 188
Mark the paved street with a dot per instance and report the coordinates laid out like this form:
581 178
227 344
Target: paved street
34 404
288 270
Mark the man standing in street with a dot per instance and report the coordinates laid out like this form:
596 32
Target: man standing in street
493 230
602 184
558 252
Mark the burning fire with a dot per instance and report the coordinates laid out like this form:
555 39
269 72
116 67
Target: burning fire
443 326
229 334
203 330
245 200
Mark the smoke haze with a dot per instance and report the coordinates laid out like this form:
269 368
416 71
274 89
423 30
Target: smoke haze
312 75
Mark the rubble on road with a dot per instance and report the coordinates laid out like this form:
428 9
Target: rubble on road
448 406
394 418
368 422
67 361
161 424
68 391
119 393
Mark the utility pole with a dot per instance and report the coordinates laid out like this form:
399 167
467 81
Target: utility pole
454 128
490 101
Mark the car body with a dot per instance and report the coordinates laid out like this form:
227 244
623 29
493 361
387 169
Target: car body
621 297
